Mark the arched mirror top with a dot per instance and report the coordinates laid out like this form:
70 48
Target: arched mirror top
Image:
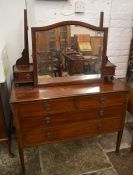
68 52
70 22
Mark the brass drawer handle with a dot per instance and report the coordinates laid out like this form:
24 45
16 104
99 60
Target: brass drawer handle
100 126
101 113
47 120
27 76
48 135
102 100
47 106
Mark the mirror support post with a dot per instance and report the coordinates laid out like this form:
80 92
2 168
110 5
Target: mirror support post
101 19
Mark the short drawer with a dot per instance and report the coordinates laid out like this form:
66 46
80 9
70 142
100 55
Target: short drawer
45 107
101 100
70 117
24 77
69 131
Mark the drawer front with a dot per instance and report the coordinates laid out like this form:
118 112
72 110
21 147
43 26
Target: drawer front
108 71
101 100
45 107
70 117
24 77
68 131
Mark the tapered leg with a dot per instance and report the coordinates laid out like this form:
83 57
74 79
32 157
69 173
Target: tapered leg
9 148
21 154
131 149
119 137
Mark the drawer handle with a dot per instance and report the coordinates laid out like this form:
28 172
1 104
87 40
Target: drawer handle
102 100
47 120
28 76
48 135
101 113
100 126
47 106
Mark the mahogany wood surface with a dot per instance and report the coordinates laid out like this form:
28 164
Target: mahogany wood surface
63 108
101 19
23 74
70 131
51 114
23 68
30 93
40 120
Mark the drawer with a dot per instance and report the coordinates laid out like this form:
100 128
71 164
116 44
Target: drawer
45 107
70 117
101 100
69 131
23 77
108 71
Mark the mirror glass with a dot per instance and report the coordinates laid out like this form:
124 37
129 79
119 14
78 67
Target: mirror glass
69 50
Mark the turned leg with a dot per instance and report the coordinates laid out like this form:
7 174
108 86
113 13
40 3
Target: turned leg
119 137
21 154
131 149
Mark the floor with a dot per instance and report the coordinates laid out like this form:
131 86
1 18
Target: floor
89 156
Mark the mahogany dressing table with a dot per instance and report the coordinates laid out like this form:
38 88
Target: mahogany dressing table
63 106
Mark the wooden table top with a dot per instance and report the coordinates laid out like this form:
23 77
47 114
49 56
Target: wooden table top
31 93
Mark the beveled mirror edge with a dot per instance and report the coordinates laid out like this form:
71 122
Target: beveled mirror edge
59 24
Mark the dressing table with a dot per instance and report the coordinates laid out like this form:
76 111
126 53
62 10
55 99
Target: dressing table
64 106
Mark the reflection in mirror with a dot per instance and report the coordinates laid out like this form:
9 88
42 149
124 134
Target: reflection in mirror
67 51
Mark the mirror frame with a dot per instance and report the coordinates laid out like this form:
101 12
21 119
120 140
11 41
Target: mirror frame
73 79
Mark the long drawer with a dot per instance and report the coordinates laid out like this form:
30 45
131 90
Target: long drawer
57 119
101 100
66 105
45 107
68 131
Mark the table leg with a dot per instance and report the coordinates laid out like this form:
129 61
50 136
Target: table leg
9 148
119 137
21 154
131 149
